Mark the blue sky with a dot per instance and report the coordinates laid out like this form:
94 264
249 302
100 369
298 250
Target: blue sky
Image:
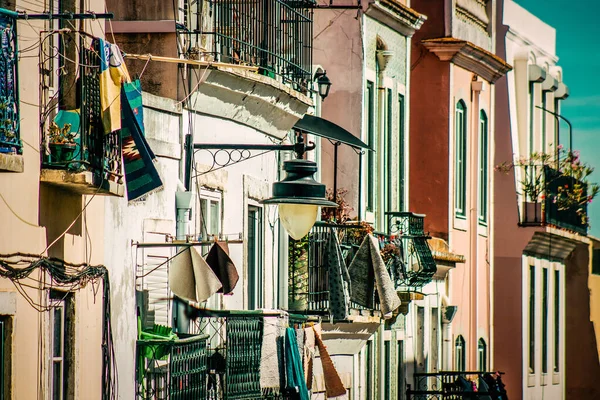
577 36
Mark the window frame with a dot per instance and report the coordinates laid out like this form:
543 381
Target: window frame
401 153
482 214
460 159
210 197
482 355
372 143
532 316
460 352
255 295
557 325
545 327
63 301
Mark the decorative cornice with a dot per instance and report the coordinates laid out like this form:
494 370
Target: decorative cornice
397 16
468 56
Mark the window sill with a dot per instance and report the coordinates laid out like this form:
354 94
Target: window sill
460 222
543 380
555 378
531 380
11 163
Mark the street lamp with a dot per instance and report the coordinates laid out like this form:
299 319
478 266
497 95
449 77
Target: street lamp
324 84
298 195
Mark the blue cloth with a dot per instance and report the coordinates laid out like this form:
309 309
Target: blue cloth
293 366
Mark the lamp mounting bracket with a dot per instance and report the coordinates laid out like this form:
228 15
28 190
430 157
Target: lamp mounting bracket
226 154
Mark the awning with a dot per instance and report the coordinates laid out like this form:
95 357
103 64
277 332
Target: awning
327 129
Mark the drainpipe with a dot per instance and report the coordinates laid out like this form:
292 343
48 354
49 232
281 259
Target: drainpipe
183 201
476 88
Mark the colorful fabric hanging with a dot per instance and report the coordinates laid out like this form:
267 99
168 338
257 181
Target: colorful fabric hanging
113 73
271 355
333 383
141 176
190 277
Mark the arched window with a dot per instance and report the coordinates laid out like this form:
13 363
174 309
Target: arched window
460 159
460 354
483 167
481 355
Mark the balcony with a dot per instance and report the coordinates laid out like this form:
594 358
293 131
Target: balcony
274 35
541 207
76 153
10 141
456 385
405 251
171 368
235 347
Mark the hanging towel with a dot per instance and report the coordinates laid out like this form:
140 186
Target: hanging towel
294 373
369 258
270 356
223 267
362 278
308 356
141 175
112 73
339 279
191 278
483 388
333 383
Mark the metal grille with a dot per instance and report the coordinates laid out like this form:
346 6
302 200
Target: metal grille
568 218
275 35
446 385
244 343
417 263
89 148
171 369
9 89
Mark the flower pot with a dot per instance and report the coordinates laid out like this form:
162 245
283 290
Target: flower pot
532 213
62 152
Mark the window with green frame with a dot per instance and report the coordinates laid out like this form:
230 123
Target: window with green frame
557 320
401 154
370 126
255 259
389 137
460 159
460 354
545 320
531 319
483 167
481 355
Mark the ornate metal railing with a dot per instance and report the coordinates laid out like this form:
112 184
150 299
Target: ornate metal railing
72 131
415 266
309 272
171 369
456 385
10 141
235 350
274 35
573 216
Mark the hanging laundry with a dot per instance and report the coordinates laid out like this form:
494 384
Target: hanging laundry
308 356
271 355
293 364
366 262
113 73
483 388
141 176
223 267
333 383
339 279
190 277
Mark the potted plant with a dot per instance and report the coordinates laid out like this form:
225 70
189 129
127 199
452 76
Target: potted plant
561 180
61 142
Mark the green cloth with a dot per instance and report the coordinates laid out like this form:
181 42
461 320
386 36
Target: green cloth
293 365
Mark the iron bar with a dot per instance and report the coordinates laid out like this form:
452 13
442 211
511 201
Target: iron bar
64 16
557 116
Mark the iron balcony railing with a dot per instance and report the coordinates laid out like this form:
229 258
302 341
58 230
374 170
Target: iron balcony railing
274 35
10 141
415 265
72 131
542 204
568 216
456 385
172 369
235 350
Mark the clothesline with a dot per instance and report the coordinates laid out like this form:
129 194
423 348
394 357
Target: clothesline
150 57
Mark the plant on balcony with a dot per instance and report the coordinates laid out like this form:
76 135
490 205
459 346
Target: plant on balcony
298 281
342 213
61 142
569 187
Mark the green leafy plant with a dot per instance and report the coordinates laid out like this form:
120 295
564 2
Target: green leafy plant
58 135
342 213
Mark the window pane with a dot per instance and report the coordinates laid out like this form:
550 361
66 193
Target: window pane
483 166
255 267
545 320
401 153
482 355
388 369
214 217
57 334
460 158
370 116
400 368
556 320
531 319
204 217
57 380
